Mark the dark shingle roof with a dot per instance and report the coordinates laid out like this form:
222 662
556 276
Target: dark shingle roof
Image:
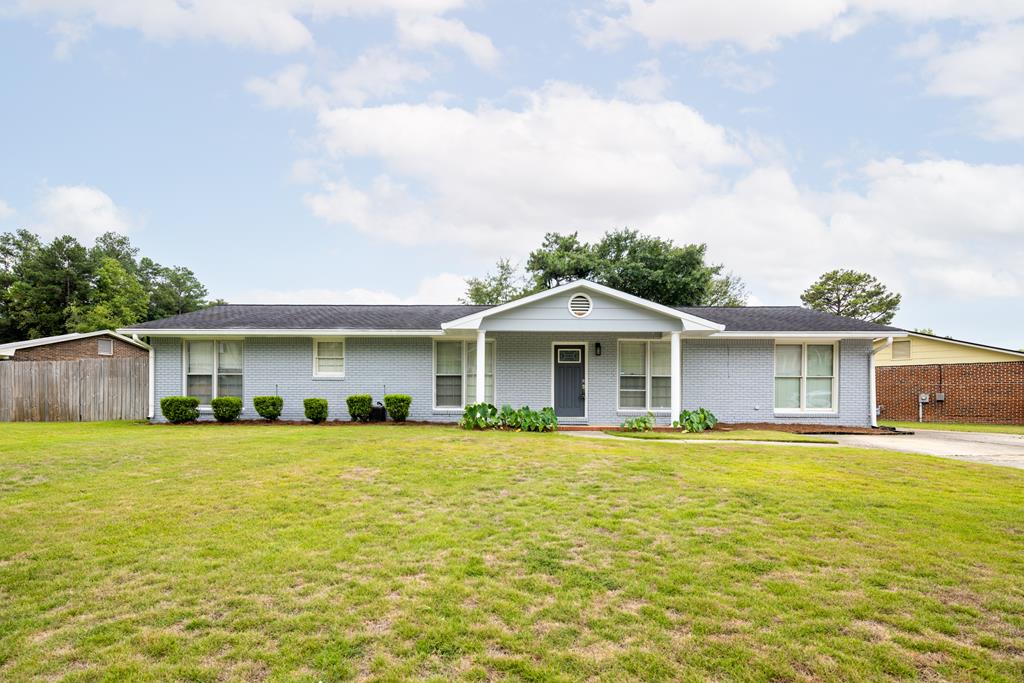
430 317
313 317
781 319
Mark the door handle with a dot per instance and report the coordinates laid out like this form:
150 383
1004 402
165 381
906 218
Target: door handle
583 389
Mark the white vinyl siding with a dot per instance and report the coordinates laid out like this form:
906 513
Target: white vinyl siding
806 377
213 369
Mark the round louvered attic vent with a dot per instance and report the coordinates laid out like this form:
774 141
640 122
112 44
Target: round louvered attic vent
580 305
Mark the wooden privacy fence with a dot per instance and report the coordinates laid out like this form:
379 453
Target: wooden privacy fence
74 390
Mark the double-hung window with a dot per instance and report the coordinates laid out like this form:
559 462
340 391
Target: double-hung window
645 375
328 358
805 377
213 369
455 374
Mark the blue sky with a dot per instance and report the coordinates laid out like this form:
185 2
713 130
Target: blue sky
381 151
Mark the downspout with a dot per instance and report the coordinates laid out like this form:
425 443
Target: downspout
152 385
873 382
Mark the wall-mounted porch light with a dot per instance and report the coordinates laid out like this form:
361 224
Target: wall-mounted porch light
597 349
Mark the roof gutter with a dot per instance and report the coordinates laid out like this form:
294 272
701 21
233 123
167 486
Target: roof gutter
270 332
871 380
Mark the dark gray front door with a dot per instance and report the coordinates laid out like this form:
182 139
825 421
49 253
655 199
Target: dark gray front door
570 363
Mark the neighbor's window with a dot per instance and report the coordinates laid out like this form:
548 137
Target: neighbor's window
645 375
213 369
805 376
448 374
901 350
471 373
329 358
105 347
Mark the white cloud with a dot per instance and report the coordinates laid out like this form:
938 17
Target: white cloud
988 69
501 177
273 25
426 31
756 25
287 89
5 210
648 85
445 288
495 179
79 210
732 72
68 34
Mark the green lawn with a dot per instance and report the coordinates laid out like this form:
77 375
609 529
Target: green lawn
735 435
139 552
957 427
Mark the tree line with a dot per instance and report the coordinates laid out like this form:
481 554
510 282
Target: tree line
673 275
61 286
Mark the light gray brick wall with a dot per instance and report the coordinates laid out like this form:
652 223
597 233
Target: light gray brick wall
732 378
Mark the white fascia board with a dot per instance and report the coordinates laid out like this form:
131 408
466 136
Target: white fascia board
807 335
236 332
13 347
472 321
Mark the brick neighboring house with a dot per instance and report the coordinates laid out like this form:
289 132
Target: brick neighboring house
75 346
964 381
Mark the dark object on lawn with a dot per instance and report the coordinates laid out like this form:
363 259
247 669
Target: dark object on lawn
377 413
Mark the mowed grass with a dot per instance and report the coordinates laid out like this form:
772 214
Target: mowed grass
136 552
957 427
734 435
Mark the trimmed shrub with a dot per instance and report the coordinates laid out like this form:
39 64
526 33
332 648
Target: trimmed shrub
359 406
178 409
227 408
640 423
268 407
397 406
316 409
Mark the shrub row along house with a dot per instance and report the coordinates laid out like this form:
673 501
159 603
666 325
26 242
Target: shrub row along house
595 354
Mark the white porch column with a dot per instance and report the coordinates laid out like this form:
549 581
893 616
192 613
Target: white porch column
677 377
481 366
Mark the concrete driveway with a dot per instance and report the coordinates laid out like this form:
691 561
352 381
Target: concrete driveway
992 449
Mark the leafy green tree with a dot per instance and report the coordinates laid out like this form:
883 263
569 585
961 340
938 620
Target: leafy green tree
854 295
15 250
561 259
726 290
50 281
652 268
507 283
118 299
925 330
176 290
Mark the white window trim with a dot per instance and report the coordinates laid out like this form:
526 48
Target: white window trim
462 384
216 367
647 382
99 346
344 358
803 409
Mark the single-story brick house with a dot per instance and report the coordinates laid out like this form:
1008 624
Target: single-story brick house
962 381
597 355
75 346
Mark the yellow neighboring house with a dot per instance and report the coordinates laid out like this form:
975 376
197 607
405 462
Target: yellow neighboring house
935 379
927 349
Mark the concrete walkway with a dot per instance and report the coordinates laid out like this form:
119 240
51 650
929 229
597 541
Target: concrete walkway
1005 450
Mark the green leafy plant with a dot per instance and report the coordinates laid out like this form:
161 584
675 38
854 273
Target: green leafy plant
640 423
359 406
315 409
268 407
479 416
178 409
397 406
509 417
697 420
226 408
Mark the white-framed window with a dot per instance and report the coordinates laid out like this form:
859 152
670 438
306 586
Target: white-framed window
455 374
105 347
806 377
645 375
213 368
329 358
